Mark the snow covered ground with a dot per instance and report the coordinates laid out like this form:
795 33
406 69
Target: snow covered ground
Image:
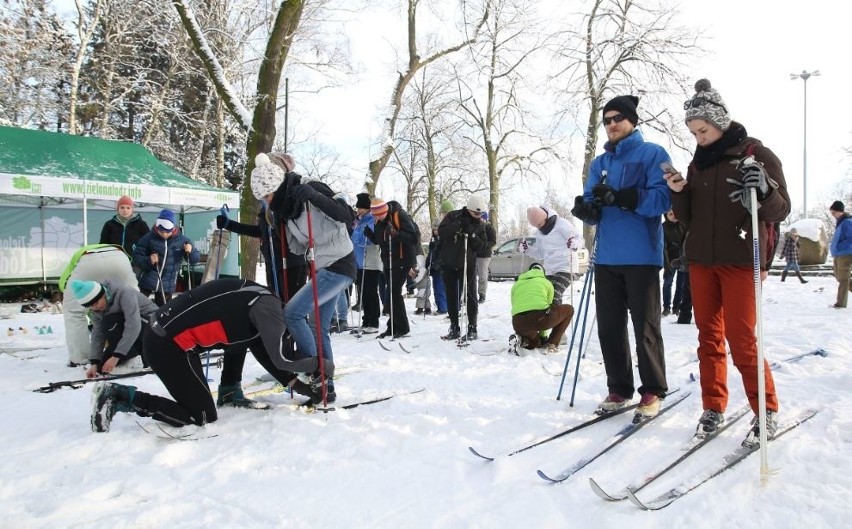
405 462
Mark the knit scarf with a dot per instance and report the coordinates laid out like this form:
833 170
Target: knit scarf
707 156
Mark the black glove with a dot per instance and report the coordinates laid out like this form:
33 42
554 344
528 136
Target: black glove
221 222
368 233
675 264
626 199
303 193
588 212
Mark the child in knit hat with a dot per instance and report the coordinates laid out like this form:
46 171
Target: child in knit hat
158 255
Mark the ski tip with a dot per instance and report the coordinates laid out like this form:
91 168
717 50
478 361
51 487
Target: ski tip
477 454
636 501
599 492
547 478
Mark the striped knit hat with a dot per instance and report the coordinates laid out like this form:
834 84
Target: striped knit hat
379 208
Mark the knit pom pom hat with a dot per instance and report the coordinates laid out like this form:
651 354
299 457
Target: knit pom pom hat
86 292
708 105
269 172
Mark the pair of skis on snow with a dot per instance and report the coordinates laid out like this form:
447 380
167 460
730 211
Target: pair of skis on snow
728 461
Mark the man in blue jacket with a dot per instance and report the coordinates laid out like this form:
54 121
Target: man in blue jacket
841 251
624 196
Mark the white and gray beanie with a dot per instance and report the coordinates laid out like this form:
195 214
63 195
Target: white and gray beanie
268 173
708 105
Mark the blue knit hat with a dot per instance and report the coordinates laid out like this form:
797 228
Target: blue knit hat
86 292
166 220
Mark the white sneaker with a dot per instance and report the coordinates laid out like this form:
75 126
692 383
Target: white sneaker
370 330
550 349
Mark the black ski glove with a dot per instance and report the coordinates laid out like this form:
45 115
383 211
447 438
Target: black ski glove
588 212
606 195
221 222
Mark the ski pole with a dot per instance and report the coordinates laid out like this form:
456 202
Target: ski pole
313 269
223 211
463 295
390 277
761 373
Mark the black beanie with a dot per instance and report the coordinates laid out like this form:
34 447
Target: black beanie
837 206
626 105
362 201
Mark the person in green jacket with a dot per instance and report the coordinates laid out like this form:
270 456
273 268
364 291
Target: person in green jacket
534 312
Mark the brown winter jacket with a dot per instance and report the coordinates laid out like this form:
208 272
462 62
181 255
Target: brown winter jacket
715 223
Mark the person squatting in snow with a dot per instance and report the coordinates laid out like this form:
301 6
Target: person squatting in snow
117 313
715 201
216 315
625 196
535 310
555 246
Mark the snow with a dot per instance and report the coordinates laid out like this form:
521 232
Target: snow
808 228
405 462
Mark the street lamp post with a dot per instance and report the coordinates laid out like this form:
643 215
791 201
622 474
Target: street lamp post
804 76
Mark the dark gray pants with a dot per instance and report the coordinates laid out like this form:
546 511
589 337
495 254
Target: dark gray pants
619 289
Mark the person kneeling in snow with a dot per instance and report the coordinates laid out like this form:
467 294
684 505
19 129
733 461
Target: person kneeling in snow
214 315
117 314
534 311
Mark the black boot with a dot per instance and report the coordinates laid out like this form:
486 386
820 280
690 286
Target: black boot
783 276
454 333
802 279
471 333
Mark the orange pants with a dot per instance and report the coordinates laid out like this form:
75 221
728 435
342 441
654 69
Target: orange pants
723 303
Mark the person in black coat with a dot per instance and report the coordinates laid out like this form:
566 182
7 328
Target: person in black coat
125 228
395 234
462 235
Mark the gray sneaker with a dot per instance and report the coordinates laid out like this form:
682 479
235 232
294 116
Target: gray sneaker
709 423
752 440
613 402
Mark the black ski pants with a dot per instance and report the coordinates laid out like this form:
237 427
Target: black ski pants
634 289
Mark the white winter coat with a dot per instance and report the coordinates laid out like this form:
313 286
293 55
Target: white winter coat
557 249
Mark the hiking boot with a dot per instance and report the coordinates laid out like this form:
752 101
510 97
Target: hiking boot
107 399
550 349
418 312
752 440
233 396
709 423
316 390
427 312
471 333
666 311
649 406
481 298
300 387
513 345
612 402
453 334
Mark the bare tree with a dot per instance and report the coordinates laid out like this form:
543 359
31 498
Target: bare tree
625 46
415 63
86 26
498 118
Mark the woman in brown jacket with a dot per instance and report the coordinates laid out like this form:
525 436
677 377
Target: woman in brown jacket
714 201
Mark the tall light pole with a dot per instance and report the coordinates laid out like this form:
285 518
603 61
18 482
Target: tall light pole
804 76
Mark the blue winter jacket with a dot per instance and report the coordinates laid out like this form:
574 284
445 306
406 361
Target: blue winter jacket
841 243
359 240
631 237
170 253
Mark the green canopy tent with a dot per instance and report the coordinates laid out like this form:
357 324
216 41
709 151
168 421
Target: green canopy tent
57 190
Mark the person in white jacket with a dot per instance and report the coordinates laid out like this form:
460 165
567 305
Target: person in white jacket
556 246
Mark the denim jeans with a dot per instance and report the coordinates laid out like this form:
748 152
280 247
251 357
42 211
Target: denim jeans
440 292
668 279
342 309
792 265
329 285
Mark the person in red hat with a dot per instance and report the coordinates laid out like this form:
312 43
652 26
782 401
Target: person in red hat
125 227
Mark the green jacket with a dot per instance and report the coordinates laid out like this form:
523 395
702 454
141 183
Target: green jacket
532 291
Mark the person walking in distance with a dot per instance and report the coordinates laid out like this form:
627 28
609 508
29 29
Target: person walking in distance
715 201
790 253
625 196
841 251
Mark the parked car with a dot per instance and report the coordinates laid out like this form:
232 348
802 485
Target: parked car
508 263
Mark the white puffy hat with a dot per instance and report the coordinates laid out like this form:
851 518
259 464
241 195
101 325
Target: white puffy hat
477 204
269 172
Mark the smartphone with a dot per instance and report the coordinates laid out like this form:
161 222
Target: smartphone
669 168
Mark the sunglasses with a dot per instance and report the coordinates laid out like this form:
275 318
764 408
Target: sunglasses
695 102
618 118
